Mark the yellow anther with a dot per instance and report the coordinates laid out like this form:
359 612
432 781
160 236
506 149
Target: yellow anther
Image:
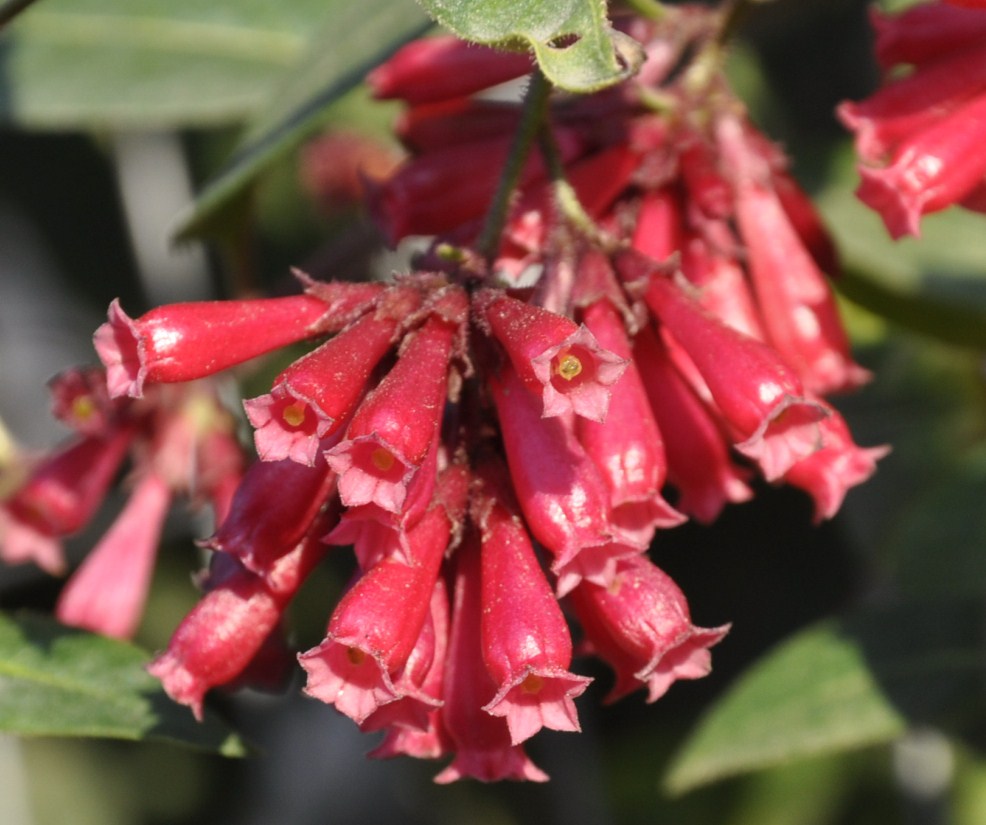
294 414
355 655
568 367
532 683
382 459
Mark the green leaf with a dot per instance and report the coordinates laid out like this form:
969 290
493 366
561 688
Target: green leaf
148 63
841 685
57 681
575 46
356 37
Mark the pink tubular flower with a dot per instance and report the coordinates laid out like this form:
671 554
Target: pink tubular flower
937 167
828 474
641 625
555 357
263 524
699 464
482 742
796 304
918 136
758 395
627 448
375 626
312 398
526 644
561 493
441 68
420 681
107 593
60 497
228 628
926 31
393 428
182 342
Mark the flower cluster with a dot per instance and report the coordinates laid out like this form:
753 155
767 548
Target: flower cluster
920 136
180 441
495 434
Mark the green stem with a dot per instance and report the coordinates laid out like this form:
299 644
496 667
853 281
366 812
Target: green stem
10 10
535 108
651 9
566 199
953 323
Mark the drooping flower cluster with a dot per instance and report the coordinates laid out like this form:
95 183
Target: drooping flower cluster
180 441
500 435
920 136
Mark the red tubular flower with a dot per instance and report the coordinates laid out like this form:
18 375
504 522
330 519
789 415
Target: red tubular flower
938 166
312 398
263 523
641 625
555 358
759 396
60 497
926 32
182 342
796 304
107 593
828 474
229 627
393 428
698 455
627 448
563 497
441 191
375 626
482 743
526 644
658 231
376 533
420 682
455 122
440 68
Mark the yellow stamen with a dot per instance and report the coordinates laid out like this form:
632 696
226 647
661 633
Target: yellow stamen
83 407
568 366
294 414
355 655
382 459
532 683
